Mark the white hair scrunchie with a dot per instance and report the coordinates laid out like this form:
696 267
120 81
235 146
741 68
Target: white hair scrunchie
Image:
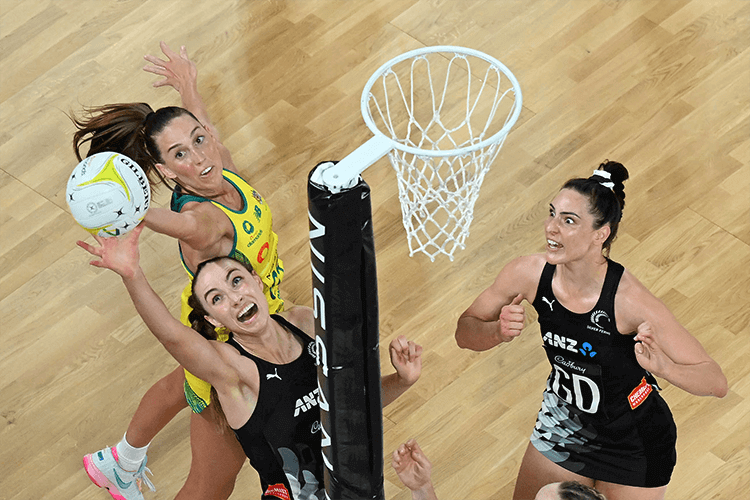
605 175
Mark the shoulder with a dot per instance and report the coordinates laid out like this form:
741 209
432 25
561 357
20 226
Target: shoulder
203 209
528 266
523 272
634 303
302 317
244 369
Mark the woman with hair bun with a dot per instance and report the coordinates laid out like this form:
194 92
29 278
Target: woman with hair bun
602 421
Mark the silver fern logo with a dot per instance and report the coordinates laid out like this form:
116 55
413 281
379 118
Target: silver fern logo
601 322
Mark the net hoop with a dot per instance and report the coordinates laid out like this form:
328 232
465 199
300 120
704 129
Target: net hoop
449 49
439 184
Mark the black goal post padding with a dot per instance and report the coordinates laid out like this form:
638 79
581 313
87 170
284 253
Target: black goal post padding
345 302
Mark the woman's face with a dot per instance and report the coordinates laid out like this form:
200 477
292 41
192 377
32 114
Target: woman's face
191 155
232 296
569 229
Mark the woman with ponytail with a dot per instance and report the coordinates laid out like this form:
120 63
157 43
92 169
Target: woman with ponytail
214 212
261 373
602 421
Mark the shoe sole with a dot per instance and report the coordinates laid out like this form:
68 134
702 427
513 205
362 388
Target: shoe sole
99 479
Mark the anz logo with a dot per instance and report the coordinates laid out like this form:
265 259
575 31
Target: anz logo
306 402
569 344
587 350
560 341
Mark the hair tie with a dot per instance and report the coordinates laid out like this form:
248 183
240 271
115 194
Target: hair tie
605 175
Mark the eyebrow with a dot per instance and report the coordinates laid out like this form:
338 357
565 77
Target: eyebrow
179 143
205 296
564 213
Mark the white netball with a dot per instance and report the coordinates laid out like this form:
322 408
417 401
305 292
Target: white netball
108 194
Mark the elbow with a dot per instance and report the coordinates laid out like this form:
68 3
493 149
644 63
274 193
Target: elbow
722 388
460 337
463 333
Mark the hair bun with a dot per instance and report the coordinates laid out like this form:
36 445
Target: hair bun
618 173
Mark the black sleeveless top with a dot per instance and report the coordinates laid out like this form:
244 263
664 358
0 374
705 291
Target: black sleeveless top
601 414
282 436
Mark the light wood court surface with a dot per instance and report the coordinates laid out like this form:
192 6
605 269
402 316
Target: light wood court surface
662 86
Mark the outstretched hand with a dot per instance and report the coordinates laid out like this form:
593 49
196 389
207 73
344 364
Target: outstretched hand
648 353
412 466
119 254
178 70
406 358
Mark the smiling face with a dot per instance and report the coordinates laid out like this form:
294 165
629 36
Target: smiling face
190 155
569 229
232 296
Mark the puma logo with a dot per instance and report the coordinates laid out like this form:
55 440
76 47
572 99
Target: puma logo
544 299
275 374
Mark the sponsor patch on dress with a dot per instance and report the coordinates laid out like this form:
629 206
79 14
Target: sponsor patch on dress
639 394
278 491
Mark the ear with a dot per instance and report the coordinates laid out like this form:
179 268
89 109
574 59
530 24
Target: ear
214 322
165 171
601 234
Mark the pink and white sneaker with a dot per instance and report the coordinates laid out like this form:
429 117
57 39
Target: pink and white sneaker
105 472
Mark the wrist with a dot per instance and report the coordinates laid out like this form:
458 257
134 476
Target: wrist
133 275
426 492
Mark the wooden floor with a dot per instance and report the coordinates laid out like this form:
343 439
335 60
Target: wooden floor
662 86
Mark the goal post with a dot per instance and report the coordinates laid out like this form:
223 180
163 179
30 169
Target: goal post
345 302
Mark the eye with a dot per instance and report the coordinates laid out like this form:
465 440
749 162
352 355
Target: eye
551 212
569 220
179 155
215 299
200 139
236 280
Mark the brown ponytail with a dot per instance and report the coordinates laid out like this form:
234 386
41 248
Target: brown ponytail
129 129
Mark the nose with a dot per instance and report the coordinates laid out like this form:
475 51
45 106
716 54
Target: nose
199 155
550 225
235 297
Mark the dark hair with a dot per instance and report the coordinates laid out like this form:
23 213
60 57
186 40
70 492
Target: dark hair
200 324
129 129
573 490
605 203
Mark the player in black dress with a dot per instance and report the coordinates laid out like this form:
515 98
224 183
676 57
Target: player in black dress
264 377
602 421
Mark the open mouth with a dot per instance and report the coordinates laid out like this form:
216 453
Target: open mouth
553 244
206 171
247 313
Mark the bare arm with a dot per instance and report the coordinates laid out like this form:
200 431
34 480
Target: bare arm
181 73
187 346
199 225
497 315
665 347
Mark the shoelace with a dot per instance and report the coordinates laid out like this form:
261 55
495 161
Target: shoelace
140 476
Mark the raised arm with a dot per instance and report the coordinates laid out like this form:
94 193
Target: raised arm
664 347
497 315
187 346
180 73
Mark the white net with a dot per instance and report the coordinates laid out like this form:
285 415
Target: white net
448 109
